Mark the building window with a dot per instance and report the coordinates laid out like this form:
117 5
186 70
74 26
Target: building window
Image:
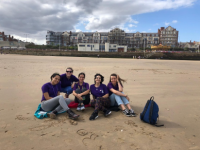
81 45
88 45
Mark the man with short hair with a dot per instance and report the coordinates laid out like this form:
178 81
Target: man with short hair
67 81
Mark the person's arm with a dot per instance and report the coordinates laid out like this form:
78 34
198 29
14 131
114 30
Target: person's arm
87 91
77 95
117 92
72 85
75 80
119 85
84 93
58 93
46 96
106 96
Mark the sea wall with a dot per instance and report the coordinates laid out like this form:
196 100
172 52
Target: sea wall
147 55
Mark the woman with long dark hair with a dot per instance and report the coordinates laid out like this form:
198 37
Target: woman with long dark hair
117 96
81 92
101 101
53 101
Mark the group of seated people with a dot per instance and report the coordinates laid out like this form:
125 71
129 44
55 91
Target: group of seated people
104 96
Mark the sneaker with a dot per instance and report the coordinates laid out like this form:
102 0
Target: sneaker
78 107
132 113
125 112
72 115
82 107
107 112
51 115
93 116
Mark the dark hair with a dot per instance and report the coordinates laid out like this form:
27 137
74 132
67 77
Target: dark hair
120 79
69 68
102 77
55 74
82 73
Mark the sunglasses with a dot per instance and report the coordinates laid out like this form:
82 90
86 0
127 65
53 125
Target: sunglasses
69 71
98 78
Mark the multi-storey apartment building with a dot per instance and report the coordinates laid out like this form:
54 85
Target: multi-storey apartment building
168 36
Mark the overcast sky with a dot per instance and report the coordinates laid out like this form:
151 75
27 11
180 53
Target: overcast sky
32 18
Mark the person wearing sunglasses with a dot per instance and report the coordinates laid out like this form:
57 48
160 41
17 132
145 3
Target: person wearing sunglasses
81 92
53 101
117 96
67 82
101 101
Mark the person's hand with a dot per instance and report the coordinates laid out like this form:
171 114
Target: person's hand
79 95
127 98
80 98
117 78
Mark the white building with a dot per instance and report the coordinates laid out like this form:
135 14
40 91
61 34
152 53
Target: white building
96 47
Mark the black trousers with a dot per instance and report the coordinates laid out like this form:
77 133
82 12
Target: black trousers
86 97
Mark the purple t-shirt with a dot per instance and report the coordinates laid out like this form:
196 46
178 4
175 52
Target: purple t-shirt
98 91
51 89
77 85
110 86
65 82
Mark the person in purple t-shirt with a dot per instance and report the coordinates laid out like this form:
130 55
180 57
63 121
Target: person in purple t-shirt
117 97
81 92
67 81
53 101
100 101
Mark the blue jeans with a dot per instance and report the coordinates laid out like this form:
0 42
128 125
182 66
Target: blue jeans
118 100
67 90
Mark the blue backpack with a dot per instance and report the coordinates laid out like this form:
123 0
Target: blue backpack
150 112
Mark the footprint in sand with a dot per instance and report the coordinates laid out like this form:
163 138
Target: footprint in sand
20 117
72 122
119 128
39 128
130 123
133 146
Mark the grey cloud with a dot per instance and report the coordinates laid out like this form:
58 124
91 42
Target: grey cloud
88 5
19 17
37 16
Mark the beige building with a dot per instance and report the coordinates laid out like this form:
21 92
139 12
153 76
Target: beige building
96 47
12 45
168 36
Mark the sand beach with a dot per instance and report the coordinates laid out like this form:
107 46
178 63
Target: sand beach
173 83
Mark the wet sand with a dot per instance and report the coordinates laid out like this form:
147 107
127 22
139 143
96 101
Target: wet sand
174 84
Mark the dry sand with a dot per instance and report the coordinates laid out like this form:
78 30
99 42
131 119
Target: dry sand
174 84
